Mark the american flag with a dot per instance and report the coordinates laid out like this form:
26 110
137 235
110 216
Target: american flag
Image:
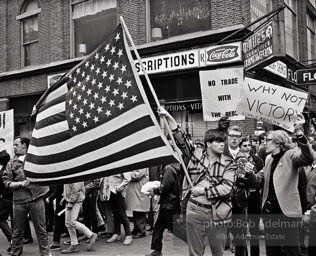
96 121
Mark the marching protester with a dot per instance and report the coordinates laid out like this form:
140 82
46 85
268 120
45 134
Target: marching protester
137 202
169 191
117 189
27 199
213 176
74 195
281 204
6 195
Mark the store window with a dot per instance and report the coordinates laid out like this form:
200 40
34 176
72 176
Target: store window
170 18
311 38
290 13
29 29
93 21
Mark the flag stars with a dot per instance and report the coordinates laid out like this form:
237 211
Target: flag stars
108 63
115 92
128 83
107 47
100 85
74 93
123 68
77 120
120 106
103 99
88 115
93 81
84 124
75 80
116 65
71 115
111 78
97 71
83 74
87 64
80 111
91 106
78 71
102 59
79 84
120 52
88 78
70 102
79 97
85 102
124 95
113 50
108 113
99 110
96 56
74 128
92 67
112 103
104 74
119 80
117 37
75 106
96 119
107 88
96 96
83 88
134 98
89 91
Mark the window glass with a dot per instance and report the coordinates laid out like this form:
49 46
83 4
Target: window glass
176 17
291 28
93 21
311 51
30 35
259 8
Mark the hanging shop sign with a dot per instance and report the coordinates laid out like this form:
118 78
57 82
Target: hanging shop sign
306 76
278 68
213 55
264 45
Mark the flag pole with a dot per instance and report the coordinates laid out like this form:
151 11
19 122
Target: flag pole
155 97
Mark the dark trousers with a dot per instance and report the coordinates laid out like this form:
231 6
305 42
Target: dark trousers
49 212
27 231
281 235
118 206
59 221
312 241
254 214
89 212
5 212
239 230
139 220
164 220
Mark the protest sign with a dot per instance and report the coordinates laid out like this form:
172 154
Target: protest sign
220 93
6 131
271 103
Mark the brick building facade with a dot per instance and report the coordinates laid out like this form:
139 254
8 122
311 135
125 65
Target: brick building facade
21 86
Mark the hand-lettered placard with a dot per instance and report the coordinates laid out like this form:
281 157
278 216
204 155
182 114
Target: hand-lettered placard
6 131
271 103
220 93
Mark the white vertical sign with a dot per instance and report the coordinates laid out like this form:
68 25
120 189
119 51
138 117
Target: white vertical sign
6 131
221 90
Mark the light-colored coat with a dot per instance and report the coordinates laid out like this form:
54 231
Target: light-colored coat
311 186
285 178
135 200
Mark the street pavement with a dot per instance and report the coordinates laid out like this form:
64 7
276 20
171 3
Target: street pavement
172 246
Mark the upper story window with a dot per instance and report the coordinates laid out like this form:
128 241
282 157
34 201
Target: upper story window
259 8
29 31
313 2
290 20
170 18
93 21
311 38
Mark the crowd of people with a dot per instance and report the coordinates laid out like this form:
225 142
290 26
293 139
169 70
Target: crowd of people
232 186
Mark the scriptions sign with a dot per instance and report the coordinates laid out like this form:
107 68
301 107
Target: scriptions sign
221 90
270 103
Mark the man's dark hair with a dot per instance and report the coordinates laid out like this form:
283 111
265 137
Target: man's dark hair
24 140
261 137
214 135
2 139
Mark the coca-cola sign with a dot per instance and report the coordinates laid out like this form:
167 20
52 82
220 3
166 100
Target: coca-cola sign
223 54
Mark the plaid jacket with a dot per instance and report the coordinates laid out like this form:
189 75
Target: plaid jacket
221 175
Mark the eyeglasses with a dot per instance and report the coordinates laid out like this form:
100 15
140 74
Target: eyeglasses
248 145
234 136
268 140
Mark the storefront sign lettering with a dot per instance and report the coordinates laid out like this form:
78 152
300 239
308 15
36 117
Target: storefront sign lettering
225 53
306 76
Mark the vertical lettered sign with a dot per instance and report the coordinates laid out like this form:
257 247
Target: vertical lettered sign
221 90
6 130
